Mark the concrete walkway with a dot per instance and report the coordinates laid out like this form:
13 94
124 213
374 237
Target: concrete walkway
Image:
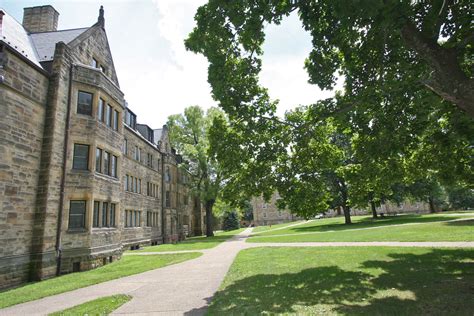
185 288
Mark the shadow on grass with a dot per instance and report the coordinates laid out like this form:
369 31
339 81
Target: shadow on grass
468 222
438 282
369 222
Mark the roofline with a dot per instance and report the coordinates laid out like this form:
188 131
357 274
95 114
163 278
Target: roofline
77 28
24 58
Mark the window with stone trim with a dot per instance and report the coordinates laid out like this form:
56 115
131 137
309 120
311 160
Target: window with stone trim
106 163
108 115
84 103
152 219
116 120
125 146
80 159
98 160
95 218
101 110
77 214
113 166
132 218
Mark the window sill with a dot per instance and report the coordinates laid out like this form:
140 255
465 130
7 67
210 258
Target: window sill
103 229
76 230
105 176
136 227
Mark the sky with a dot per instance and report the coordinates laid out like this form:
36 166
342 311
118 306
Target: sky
158 76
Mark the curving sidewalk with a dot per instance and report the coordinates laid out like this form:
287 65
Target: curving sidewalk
185 288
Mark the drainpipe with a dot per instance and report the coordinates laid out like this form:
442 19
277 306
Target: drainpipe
63 176
163 155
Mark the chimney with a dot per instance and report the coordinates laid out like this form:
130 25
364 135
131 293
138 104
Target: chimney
40 19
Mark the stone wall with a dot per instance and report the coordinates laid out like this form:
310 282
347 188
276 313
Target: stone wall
22 102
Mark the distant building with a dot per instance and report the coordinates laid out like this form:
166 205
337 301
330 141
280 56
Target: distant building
80 179
267 213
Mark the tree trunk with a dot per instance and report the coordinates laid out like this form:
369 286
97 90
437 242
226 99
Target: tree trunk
432 205
447 79
374 209
209 228
347 214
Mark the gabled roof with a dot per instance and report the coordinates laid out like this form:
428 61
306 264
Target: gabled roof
14 35
36 47
45 42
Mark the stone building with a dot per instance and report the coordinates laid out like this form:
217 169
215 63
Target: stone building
267 212
80 180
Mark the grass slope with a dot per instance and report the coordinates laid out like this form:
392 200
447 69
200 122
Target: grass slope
128 265
193 243
454 231
353 281
100 306
262 229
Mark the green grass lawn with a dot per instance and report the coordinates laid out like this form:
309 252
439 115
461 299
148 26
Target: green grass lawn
337 223
454 231
352 281
193 243
261 229
128 265
100 306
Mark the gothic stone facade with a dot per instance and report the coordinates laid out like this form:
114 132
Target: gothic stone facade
267 212
80 180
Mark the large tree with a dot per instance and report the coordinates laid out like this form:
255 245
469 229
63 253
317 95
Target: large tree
189 135
407 102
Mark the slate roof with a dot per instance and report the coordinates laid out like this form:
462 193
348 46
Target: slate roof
37 47
13 34
45 42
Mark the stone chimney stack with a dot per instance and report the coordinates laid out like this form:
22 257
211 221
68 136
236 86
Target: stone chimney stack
40 19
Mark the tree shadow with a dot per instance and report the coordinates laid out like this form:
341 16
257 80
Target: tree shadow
438 282
467 222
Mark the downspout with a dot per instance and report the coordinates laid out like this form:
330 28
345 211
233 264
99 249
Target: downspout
163 196
63 176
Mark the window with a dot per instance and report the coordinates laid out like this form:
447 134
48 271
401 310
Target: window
149 160
106 163
112 215
105 214
139 186
167 199
104 70
94 63
125 146
135 186
116 120
77 214
98 160
108 116
81 157
151 219
100 110
126 183
113 167
84 103
137 153
168 175
95 219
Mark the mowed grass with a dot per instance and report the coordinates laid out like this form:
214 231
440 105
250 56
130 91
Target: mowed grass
261 229
100 306
433 227
126 266
337 223
352 281
450 231
193 243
